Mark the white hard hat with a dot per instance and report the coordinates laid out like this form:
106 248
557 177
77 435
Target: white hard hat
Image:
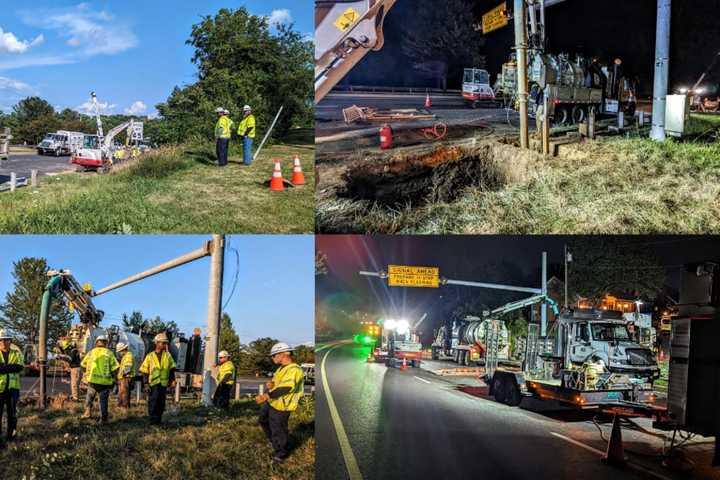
247 108
4 335
223 354
120 347
220 110
226 111
101 338
280 347
161 337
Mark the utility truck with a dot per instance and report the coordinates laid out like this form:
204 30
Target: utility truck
593 363
60 143
398 344
476 87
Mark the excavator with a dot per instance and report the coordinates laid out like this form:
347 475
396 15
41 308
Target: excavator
99 152
345 31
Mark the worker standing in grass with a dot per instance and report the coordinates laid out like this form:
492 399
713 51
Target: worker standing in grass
126 373
100 366
223 131
225 381
11 364
282 399
159 368
247 131
69 348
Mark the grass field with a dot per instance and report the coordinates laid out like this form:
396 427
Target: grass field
194 443
172 190
615 185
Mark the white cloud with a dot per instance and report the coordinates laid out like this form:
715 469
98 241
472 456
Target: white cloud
137 108
9 43
90 32
88 109
14 85
280 17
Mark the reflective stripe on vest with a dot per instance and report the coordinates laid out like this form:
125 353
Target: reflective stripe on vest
127 366
246 124
10 380
288 376
158 371
223 127
225 368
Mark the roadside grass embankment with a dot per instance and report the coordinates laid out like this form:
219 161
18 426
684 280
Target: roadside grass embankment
613 185
171 190
193 442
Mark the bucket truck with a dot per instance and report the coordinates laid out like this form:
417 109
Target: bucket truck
99 152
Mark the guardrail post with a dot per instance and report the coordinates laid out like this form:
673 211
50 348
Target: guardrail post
33 178
13 181
237 390
261 389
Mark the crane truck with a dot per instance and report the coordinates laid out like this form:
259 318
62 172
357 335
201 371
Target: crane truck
99 152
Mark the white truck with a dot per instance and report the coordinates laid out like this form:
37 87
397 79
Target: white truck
476 87
60 143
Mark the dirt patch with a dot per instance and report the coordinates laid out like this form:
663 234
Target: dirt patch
438 176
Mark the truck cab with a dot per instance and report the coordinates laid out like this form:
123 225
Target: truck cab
60 143
476 86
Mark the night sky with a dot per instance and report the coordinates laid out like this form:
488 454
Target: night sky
620 28
513 260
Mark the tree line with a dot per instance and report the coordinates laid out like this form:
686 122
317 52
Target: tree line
241 59
20 311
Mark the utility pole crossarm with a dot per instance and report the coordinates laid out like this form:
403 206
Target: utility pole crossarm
204 251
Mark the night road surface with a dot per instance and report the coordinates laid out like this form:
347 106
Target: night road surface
413 424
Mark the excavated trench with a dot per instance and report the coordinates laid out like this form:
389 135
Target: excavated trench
439 176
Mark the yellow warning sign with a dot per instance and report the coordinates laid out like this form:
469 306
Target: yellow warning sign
404 276
495 18
347 19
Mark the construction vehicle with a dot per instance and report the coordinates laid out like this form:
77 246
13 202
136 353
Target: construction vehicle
593 363
5 138
696 92
345 31
476 87
468 341
368 335
99 153
60 143
309 371
573 87
399 344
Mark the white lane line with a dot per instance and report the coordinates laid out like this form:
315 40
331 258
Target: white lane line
579 444
421 379
633 466
350 461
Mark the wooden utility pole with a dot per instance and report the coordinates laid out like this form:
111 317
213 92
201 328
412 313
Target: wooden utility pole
520 13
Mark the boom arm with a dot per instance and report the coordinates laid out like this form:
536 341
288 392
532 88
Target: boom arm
702 77
345 31
517 305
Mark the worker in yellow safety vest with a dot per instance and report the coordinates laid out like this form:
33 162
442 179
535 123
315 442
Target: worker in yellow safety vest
69 348
223 131
284 392
246 130
225 380
100 366
11 364
125 375
159 370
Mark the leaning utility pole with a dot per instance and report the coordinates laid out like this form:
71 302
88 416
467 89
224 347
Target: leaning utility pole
212 339
662 67
520 14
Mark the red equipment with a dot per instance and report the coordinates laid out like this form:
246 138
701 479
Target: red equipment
386 137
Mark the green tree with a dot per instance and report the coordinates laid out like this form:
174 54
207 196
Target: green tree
256 357
21 310
304 354
136 322
229 339
240 61
608 265
32 108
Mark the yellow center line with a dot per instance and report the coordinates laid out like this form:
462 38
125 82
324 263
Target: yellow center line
350 462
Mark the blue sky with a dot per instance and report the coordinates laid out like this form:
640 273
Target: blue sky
132 53
274 295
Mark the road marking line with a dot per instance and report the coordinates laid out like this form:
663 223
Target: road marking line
579 444
350 462
633 465
421 379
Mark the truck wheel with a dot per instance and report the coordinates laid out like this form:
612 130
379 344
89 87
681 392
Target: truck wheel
499 390
578 114
512 393
561 116
57 152
435 355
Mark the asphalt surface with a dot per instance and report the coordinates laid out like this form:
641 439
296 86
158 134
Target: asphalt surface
413 424
23 163
451 109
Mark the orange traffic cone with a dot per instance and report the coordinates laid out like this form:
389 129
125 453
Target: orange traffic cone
404 364
298 177
615 454
276 182
428 103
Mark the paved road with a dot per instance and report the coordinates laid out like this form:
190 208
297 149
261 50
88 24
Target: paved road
23 163
449 108
413 424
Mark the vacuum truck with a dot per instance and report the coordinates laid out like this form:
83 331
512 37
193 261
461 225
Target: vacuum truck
466 341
